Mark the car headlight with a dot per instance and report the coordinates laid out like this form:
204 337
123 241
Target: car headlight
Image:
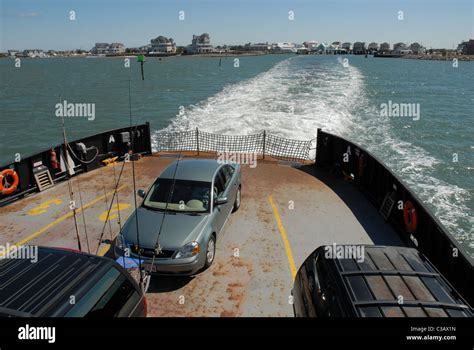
189 250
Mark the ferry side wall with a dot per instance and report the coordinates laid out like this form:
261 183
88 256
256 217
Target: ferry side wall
375 180
106 145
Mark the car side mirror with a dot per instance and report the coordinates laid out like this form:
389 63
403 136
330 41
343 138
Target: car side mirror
141 193
221 200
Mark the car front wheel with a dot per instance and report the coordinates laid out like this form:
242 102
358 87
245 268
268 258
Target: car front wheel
237 201
210 252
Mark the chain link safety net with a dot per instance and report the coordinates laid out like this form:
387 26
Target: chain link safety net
262 143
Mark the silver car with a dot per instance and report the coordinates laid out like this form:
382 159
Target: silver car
174 231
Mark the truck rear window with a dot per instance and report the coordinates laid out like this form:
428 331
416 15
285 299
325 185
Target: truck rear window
112 296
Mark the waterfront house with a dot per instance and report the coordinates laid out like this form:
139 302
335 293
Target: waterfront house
384 47
347 46
466 47
462 47
200 44
100 49
116 48
322 48
301 49
373 47
108 49
400 48
284 48
359 48
13 53
162 45
336 48
417 48
33 53
259 47
470 47
311 45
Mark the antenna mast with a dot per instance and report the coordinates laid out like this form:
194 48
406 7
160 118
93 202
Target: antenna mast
69 182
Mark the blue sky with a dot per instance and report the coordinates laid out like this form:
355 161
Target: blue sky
45 24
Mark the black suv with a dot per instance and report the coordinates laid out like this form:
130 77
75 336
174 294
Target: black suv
66 283
384 282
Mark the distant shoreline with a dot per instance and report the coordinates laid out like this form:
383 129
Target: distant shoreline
425 57
134 55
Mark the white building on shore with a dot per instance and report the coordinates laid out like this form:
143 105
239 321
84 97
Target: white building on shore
284 48
100 49
116 48
162 45
108 49
261 47
200 44
322 48
33 53
347 46
311 45
359 48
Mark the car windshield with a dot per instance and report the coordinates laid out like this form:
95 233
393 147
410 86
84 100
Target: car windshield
188 196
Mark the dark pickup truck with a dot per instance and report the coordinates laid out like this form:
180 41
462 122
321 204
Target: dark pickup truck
384 282
66 283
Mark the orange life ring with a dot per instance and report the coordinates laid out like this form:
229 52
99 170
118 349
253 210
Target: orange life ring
409 216
16 180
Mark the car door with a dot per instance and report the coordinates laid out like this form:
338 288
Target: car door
222 189
218 211
231 184
228 179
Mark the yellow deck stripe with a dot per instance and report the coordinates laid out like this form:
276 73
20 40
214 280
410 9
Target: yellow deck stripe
286 243
104 250
62 218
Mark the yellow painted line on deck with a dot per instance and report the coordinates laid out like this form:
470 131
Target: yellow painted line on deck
284 237
112 214
43 207
104 250
62 218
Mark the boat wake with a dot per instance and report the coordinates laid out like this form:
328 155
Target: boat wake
301 94
287 100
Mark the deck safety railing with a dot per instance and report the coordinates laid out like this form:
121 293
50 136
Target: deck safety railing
262 143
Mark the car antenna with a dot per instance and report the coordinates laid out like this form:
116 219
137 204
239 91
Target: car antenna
157 249
130 155
117 181
157 245
72 204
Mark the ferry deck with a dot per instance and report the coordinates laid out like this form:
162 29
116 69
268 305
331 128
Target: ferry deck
287 211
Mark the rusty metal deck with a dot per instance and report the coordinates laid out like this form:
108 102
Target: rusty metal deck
286 213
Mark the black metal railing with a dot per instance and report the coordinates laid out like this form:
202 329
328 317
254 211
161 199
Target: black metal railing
101 146
262 143
377 182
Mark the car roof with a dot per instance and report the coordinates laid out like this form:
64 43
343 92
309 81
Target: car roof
33 287
192 170
398 281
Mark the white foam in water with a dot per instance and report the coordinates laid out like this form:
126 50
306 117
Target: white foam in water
329 96
318 98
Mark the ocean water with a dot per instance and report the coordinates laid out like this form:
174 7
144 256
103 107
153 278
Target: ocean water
290 96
